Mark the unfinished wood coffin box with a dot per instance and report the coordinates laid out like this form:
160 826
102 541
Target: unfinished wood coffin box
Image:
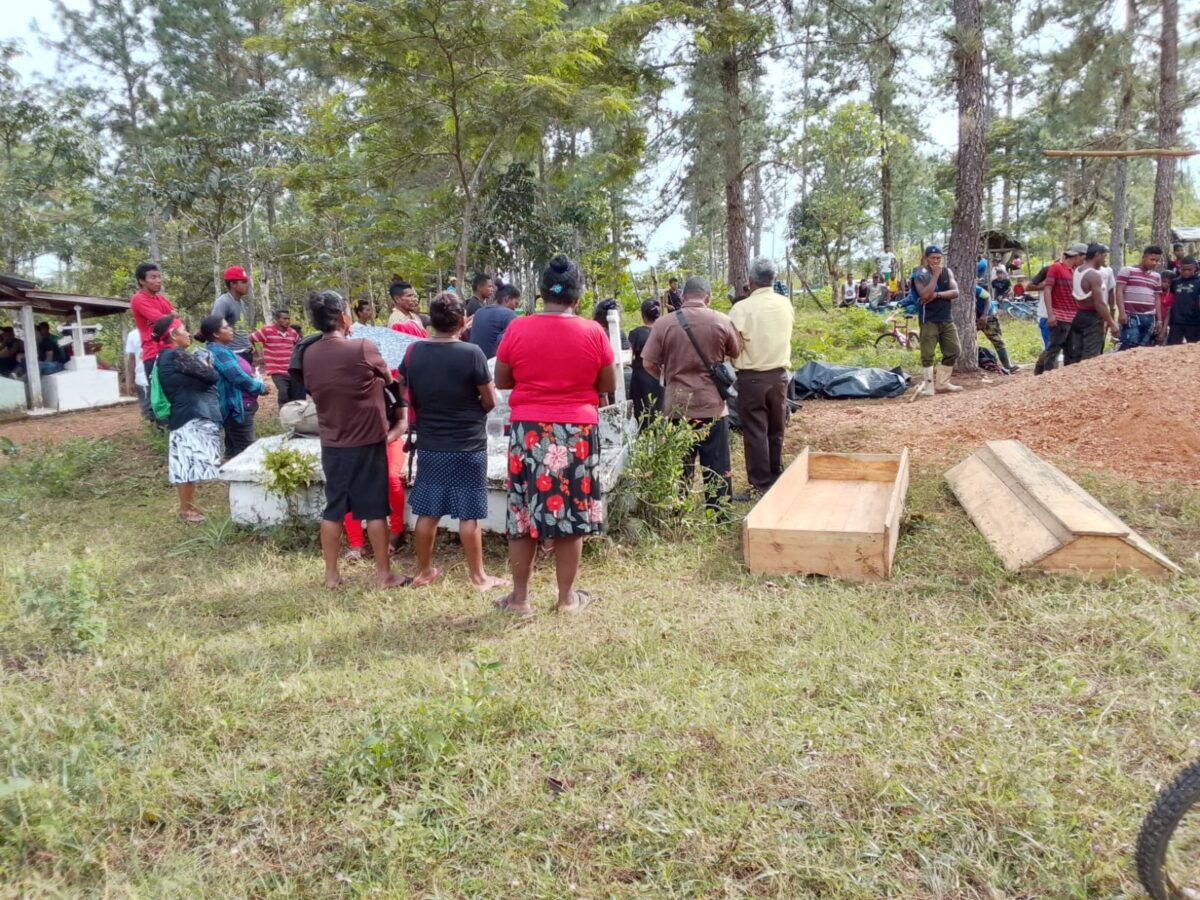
834 514
1035 517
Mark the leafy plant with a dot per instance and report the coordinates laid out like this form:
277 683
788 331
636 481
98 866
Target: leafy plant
215 534
651 497
435 729
289 471
71 604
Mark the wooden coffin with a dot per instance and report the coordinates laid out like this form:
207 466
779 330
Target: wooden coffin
1037 518
835 514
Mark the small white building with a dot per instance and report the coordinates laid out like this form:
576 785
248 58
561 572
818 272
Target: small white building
82 383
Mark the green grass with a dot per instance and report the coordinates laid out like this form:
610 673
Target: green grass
847 337
954 732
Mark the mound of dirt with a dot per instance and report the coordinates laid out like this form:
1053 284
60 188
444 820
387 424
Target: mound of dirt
1137 413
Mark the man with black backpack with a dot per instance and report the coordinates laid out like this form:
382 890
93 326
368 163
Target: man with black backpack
685 349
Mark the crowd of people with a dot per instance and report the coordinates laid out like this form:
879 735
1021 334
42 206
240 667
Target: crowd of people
557 368
555 365
1155 301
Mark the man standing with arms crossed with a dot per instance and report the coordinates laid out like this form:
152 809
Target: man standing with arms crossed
231 306
764 320
689 390
937 290
1139 300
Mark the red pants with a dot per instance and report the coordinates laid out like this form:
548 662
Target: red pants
396 460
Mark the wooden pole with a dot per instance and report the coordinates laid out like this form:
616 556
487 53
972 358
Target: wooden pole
1174 152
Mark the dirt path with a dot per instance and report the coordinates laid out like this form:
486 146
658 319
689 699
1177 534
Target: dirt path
91 423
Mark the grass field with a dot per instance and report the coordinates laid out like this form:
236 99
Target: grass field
185 712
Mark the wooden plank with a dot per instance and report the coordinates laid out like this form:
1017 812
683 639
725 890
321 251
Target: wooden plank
779 498
895 511
1035 517
1145 547
1099 555
852 466
1074 509
1012 529
1174 152
838 506
855 557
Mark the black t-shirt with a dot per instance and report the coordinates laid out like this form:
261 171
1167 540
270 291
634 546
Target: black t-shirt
488 327
637 343
1186 310
443 380
935 310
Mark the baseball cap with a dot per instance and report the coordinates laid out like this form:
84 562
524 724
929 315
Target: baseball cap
933 248
235 273
1077 249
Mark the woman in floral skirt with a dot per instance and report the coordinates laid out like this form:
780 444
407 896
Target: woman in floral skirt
556 364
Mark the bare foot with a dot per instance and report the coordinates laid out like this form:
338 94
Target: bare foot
505 604
424 579
485 583
354 554
334 581
191 517
392 580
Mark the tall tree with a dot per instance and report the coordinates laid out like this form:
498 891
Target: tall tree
969 170
1168 122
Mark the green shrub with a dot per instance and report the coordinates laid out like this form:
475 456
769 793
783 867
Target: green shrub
70 468
70 603
650 499
289 471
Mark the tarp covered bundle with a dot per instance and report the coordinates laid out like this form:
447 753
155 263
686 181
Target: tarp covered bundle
820 379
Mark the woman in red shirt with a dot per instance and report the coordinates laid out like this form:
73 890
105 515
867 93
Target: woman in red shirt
556 364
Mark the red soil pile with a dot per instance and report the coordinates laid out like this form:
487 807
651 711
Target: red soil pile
1137 413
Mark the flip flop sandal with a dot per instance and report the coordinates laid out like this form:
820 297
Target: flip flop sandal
583 600
501 605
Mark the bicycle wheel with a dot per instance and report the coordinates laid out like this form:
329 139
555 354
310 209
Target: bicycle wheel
888 341
1168 845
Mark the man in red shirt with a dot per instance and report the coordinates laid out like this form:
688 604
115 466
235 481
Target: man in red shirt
149 305
278 340
1058 294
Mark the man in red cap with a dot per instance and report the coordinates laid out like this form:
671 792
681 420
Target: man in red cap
231 306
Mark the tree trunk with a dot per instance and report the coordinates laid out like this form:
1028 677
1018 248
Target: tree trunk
1168 123
969 174
1124 127
731 154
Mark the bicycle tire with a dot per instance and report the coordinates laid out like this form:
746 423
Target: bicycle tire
1171 805
888 341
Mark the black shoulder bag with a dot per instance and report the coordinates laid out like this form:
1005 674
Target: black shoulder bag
721 376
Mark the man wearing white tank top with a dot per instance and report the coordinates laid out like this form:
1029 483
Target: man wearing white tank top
1090 289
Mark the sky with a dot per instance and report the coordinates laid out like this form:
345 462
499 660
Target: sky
938 112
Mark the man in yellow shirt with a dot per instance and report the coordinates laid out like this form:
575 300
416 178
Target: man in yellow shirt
764 320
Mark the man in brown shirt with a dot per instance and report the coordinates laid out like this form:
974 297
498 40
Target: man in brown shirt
688 389
346 379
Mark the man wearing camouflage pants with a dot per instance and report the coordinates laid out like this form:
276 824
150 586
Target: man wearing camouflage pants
986 321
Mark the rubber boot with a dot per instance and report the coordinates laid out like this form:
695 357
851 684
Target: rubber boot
926 389
1008 367
942 382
